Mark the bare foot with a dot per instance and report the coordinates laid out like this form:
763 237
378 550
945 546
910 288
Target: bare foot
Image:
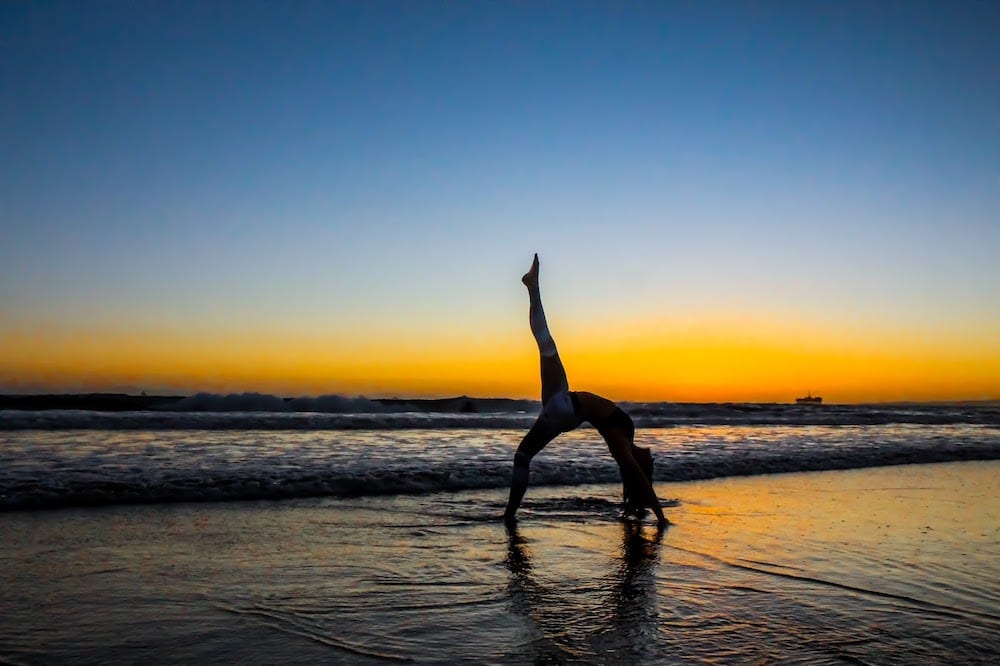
530 279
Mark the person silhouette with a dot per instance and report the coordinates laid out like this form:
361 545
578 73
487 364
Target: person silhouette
564 410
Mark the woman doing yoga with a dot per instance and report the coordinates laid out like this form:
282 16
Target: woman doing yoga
564 410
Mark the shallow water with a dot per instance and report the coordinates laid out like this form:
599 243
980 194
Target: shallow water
879 565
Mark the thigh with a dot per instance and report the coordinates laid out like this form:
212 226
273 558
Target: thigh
553 377
540 434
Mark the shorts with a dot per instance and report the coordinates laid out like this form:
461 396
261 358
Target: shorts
561 412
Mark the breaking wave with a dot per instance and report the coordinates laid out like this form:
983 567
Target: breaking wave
47 469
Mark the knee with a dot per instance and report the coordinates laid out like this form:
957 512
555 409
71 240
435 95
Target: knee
521 459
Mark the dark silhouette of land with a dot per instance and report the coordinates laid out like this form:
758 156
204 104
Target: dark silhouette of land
98 402
123 402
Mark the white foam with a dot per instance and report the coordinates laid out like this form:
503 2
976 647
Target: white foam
40 468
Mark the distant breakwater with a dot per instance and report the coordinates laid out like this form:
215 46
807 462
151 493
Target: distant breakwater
205 402
212 411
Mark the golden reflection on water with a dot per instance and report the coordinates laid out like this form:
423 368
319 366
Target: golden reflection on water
889 530
873 566
618 595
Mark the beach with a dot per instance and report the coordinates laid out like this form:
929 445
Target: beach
298 299
879 565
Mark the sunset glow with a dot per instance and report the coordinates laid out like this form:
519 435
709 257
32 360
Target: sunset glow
723 363
342 200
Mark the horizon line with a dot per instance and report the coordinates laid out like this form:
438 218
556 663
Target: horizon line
444 398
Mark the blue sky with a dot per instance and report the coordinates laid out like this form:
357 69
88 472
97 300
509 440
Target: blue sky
301 166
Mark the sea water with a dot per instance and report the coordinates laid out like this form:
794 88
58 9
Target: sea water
74 457
208 536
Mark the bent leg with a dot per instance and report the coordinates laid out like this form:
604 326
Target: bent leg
540 434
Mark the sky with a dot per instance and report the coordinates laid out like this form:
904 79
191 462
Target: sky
731 201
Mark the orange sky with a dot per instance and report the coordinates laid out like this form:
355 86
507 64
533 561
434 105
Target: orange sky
705 361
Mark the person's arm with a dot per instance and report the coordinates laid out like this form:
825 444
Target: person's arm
632 474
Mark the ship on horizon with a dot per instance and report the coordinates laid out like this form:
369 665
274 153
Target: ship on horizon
810 399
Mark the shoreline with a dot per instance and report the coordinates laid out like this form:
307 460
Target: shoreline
259 494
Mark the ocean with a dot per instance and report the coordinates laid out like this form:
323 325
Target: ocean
251 446
250 528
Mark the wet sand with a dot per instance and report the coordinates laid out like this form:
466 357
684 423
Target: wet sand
896 564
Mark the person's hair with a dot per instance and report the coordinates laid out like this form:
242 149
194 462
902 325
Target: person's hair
632 497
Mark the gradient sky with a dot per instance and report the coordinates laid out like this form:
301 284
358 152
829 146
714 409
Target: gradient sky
732 201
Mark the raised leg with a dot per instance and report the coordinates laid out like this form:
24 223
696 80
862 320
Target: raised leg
552 372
